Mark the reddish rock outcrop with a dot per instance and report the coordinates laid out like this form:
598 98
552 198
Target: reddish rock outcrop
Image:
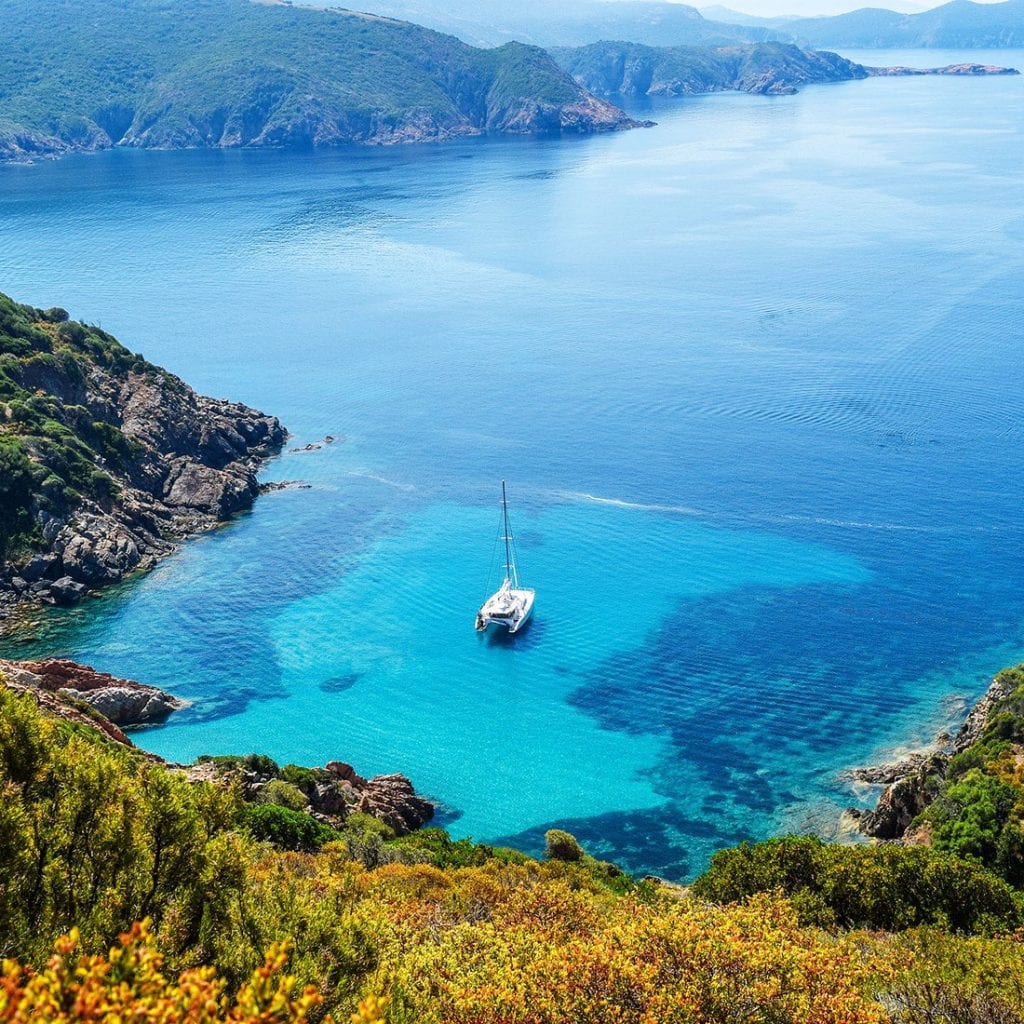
392 799
121 702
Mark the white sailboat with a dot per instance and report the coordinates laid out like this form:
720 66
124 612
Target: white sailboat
510 605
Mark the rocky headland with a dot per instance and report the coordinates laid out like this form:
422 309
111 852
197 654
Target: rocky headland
239 74
87 698
914 783
613 69
107 460
122 702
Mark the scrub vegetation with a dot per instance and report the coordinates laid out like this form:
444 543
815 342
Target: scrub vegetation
979 811
54 450
128 890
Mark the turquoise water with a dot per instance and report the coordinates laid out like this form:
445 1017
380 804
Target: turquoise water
753 376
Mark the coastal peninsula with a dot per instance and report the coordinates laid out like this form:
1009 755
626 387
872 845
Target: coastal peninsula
617 69
105 459
232 74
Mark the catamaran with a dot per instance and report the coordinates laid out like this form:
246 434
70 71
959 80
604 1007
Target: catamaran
510 605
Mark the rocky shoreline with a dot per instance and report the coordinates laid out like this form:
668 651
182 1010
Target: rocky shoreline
109 705
614 69
912 783
177 464
85 697
332 793
948 69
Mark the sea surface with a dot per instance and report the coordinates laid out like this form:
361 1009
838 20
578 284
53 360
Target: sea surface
753 376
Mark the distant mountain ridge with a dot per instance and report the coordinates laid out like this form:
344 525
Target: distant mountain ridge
571 22
223 73
960 23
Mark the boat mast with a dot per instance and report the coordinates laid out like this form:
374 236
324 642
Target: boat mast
510 567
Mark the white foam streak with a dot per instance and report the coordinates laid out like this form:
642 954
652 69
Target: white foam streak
367 475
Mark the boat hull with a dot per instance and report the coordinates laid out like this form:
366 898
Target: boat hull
509 609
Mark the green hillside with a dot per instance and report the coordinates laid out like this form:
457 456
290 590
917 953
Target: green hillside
96 73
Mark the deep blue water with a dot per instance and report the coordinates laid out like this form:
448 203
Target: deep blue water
754 377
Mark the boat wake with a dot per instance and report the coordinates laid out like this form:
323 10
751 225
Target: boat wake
732 520
582 496
366 475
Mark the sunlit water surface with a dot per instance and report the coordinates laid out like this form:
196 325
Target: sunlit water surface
754 378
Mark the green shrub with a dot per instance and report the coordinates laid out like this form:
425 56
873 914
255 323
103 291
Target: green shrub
284 794
304 778
559 845
969 816
887 887
258 763
16 487
439 849
71 333
284 828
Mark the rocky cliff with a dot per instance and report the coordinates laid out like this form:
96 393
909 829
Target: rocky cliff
105 459
628 69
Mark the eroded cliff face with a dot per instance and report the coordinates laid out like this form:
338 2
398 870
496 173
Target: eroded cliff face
629 69
120 458
768 69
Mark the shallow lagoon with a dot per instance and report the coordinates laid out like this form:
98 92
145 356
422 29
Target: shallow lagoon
753 376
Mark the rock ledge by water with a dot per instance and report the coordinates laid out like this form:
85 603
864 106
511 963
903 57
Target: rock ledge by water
913 783
333 792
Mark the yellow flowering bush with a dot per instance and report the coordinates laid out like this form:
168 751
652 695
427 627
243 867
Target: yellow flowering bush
129 986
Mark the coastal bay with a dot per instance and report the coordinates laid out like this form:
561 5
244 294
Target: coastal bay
732 422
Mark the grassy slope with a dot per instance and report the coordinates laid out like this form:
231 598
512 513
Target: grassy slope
231 72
